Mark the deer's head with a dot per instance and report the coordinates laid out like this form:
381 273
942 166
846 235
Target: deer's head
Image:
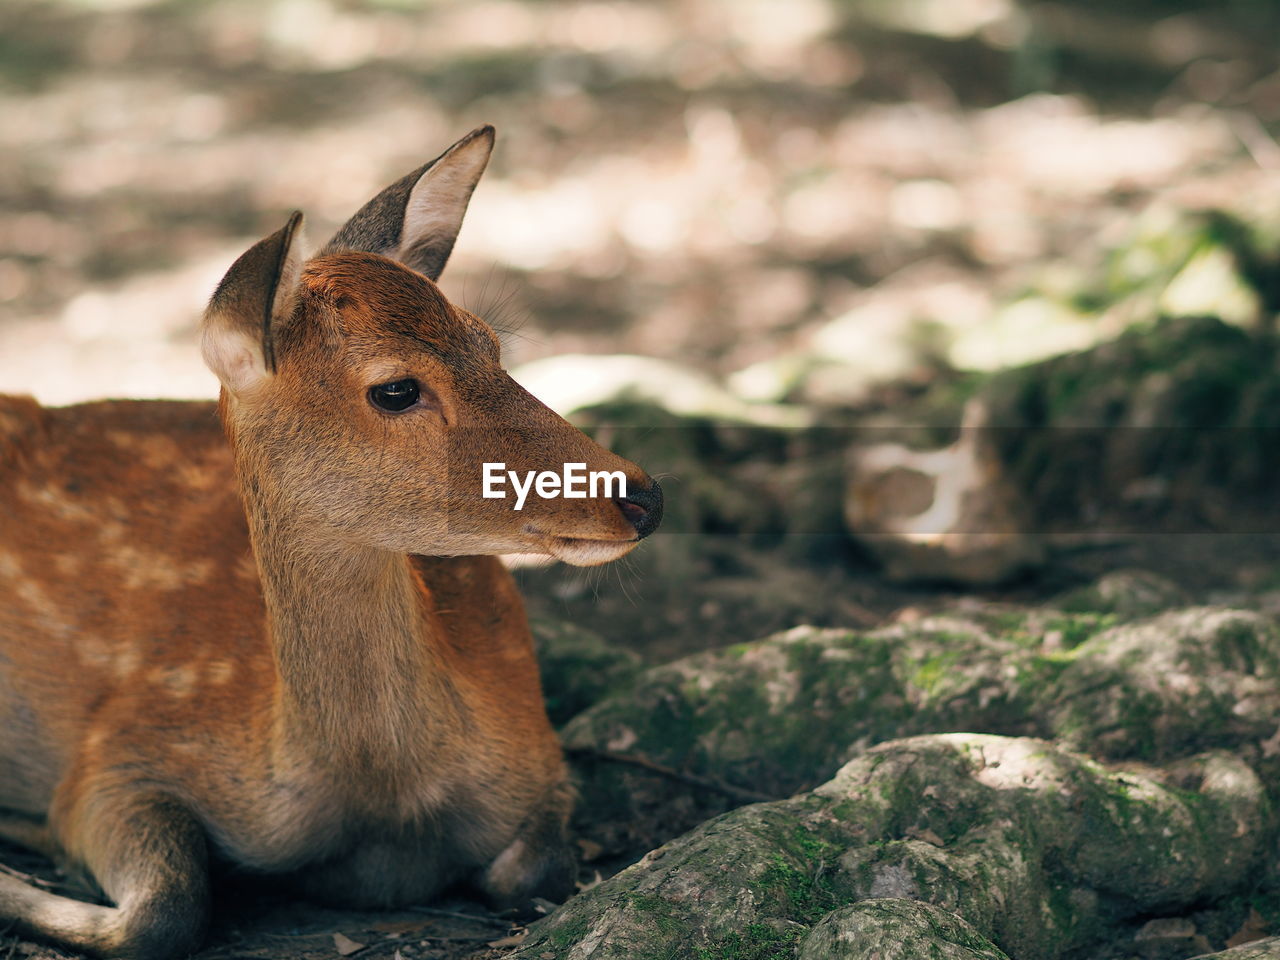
363 405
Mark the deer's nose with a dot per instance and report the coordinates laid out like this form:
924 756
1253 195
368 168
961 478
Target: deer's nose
642 507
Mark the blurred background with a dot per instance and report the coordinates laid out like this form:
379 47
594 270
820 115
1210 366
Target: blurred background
753 188
810 217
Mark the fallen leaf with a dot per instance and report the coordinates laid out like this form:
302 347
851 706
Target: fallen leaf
346 946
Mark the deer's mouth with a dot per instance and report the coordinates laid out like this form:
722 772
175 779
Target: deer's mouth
583 552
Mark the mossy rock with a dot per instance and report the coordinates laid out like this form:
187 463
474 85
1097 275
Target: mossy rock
1144 429
895 929
1127 594
1176 408
1183 681
578 667
1268 949
1041 851
776 716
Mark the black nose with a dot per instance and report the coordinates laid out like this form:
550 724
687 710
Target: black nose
643 507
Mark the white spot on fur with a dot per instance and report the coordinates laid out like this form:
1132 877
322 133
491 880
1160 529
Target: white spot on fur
32 596
68 564
127 662
155 451
151 570
111 531
199 476
54 500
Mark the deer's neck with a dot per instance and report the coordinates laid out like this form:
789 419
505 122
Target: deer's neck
349 630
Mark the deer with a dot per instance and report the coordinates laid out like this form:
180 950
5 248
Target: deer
276 633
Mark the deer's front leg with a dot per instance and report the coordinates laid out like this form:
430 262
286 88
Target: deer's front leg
148 855
539 862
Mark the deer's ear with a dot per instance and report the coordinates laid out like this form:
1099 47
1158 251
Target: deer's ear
417 218
253 299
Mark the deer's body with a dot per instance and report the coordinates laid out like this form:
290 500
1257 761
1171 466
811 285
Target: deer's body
240 645
144 543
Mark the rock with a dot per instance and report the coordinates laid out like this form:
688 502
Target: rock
578 667
778 715
1160 424
942 515
781 714
1268 949
1184 681
895 929
1169 427
1127 593
1042 852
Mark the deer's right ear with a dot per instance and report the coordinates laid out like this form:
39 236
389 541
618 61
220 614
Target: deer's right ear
253 299
417 218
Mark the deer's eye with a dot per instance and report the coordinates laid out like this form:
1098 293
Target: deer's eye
395 396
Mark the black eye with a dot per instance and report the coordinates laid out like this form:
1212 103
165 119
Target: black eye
395 396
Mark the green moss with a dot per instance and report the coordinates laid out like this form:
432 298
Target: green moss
814 846
1037 674
929 673
658 913
1007 623
1077 629
1070 924
578 668
1141 716
761 942
808 892
567 933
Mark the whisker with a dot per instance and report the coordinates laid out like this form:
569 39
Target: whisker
499 307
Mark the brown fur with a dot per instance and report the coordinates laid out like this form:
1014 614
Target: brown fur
295 650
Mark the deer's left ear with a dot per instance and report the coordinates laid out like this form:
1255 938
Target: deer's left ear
256 296
417 218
